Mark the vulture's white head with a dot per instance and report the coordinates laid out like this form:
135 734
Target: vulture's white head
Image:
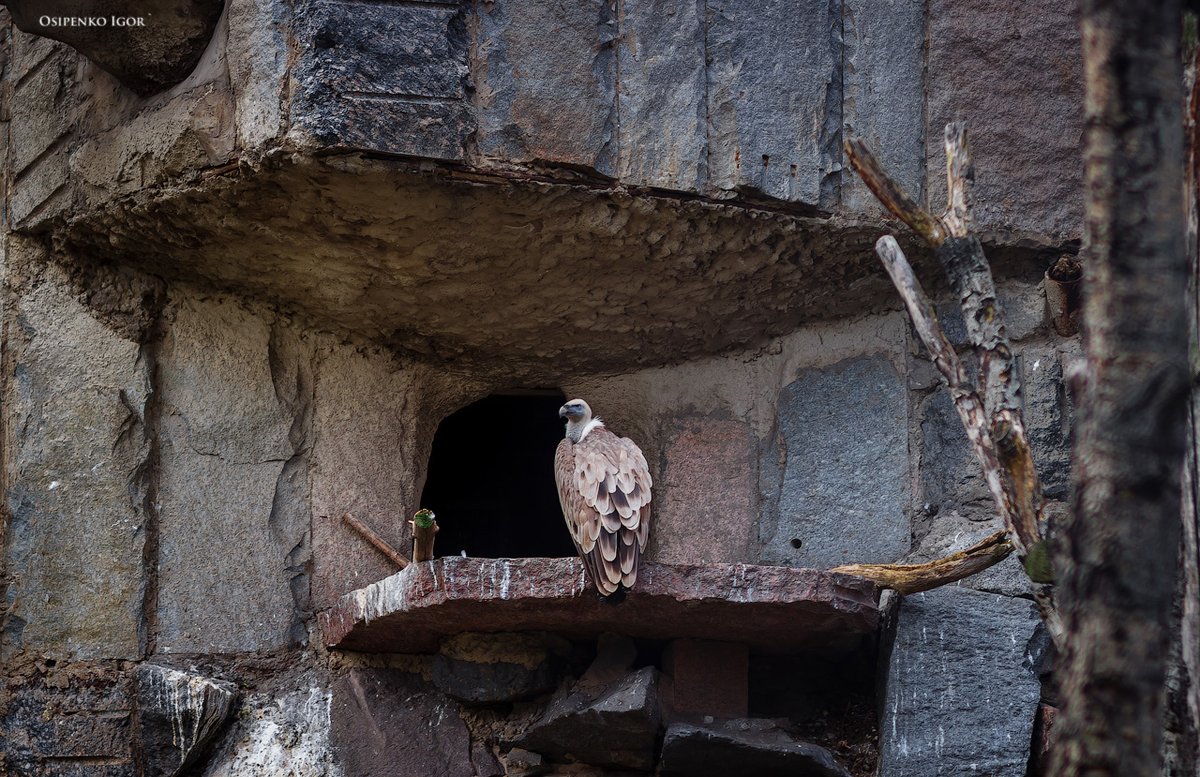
579 419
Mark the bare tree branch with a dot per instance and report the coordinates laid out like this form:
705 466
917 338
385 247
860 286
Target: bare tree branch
892 194
991 413
911 578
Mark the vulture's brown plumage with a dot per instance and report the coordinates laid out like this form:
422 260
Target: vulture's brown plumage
604 489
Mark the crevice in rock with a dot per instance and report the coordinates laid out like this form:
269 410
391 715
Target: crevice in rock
146 480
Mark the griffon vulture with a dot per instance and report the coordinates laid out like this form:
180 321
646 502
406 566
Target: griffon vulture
604 490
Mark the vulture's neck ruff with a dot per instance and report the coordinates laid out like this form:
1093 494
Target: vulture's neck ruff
576 432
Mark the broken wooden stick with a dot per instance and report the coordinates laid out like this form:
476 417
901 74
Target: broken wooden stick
424 527
990 413
912 578
380 544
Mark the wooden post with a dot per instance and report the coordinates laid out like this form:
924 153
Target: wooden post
424 527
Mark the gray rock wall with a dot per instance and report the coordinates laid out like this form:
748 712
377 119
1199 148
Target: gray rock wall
252 433
77 453
243 330
236 399
746 101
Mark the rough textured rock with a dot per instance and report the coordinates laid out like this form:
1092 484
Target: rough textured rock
178 714
997 64
706 499
76 456
842 460
1047 416
743 747
884 92
617 729
950 477
958 699
661 94
156 46
502 271
385 722
280 733
191 132
387 78
69 719
775 126
491 668
762 606
374 420
551 103
233 543
41 119
256 56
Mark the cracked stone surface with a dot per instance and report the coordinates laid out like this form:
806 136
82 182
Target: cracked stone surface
234 510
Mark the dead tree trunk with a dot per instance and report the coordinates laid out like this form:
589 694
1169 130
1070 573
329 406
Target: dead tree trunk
1118 558
1182 750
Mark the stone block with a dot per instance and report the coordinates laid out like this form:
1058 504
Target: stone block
233 536
617 730
755 747
1013 71
958 699
775 97
384 77
661 95
279 732
364 428
709 678
548 100
179 713
256 53
884 92
155 147
41 193
837 484
77 458
29 51
774 607
950 477
1047 416
41 112
385 722
492 668
706 500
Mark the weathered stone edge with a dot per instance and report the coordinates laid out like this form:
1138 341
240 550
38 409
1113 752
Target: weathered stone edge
424 586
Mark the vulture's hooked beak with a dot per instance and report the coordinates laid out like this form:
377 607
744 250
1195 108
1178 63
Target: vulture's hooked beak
562 412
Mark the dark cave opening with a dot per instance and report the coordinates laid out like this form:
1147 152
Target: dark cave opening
491 478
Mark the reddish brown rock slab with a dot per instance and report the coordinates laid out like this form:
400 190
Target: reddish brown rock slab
773 608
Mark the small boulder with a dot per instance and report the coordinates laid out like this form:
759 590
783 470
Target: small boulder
743 746
178 714
619 729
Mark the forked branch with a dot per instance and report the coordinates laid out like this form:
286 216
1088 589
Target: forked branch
991 413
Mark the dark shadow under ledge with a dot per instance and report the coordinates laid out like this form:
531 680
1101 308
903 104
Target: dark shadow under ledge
776 609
